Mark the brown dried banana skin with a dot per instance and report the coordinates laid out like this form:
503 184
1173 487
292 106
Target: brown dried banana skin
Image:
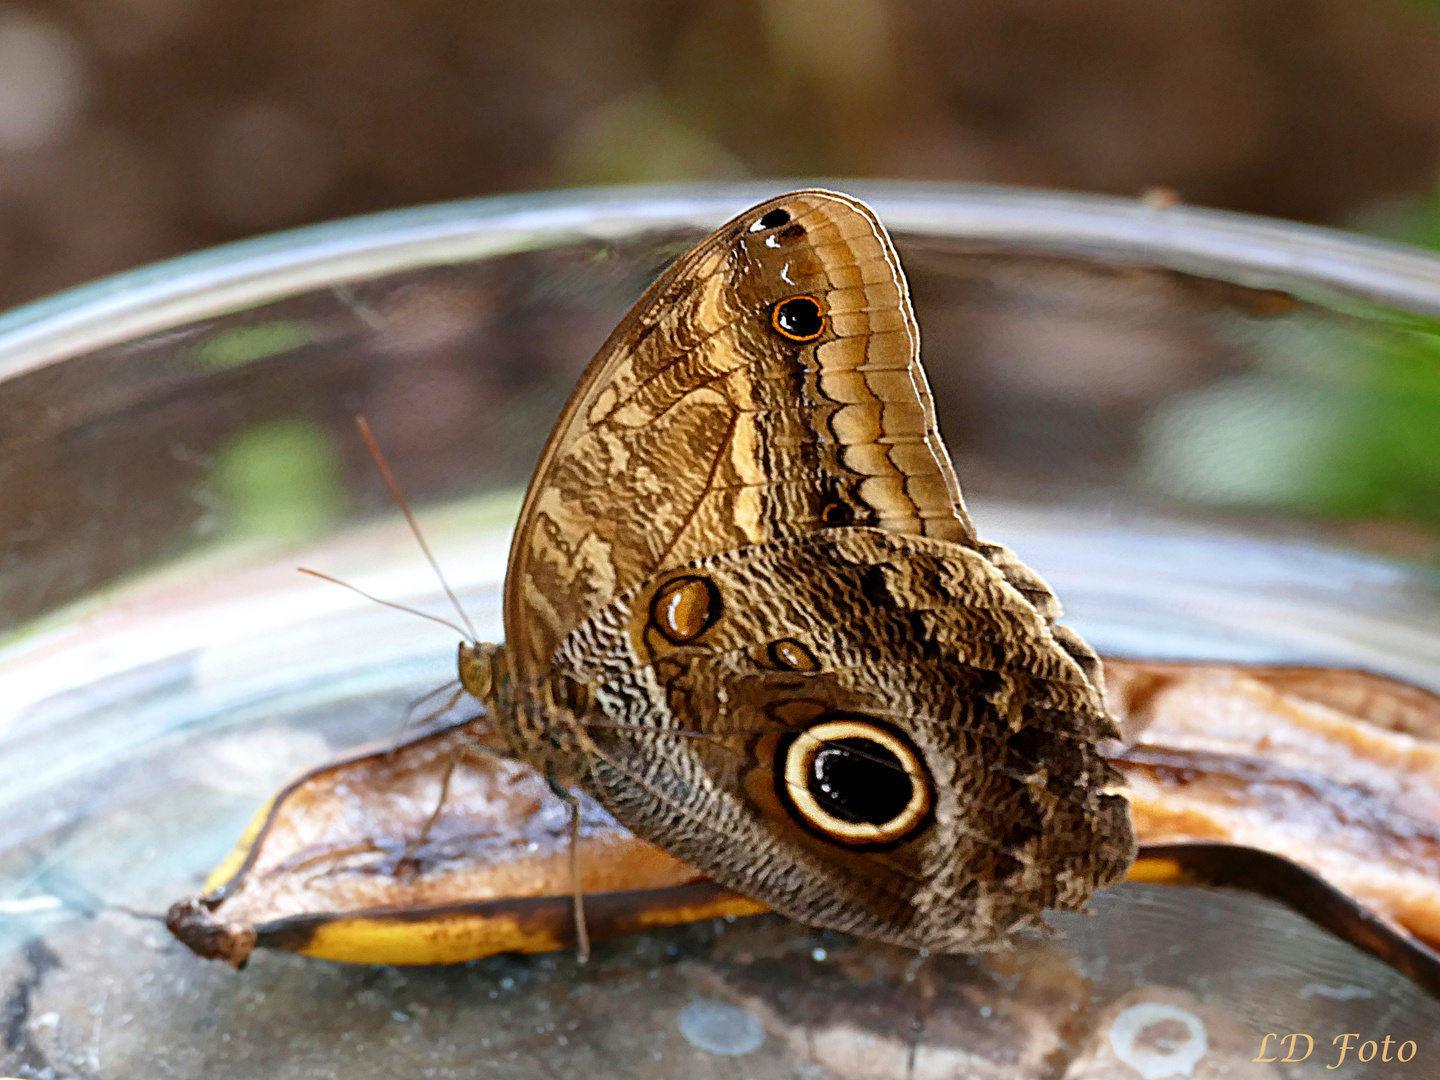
329 867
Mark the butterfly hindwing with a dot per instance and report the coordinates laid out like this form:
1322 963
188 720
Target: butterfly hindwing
920 640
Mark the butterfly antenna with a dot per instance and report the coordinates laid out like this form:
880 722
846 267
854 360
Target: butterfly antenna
374 447
387 603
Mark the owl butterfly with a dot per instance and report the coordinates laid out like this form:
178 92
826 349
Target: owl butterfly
747 612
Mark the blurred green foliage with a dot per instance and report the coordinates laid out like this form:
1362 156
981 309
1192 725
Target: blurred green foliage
641 138
1386 449
245 344
279 479
1339 419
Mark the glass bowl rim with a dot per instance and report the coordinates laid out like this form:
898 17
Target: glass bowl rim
1322 264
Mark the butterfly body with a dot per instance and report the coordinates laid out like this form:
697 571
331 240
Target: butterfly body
747 612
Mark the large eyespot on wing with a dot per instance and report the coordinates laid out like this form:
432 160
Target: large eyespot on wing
854 780
767 386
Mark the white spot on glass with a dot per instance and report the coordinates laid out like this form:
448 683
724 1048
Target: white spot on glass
1156 1054
721 1028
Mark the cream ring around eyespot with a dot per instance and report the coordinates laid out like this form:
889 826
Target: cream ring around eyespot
800 758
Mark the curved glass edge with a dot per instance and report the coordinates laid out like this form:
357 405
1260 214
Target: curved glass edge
1255 251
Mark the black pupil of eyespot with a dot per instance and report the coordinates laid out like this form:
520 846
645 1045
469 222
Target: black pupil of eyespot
799 317
774 219
859 780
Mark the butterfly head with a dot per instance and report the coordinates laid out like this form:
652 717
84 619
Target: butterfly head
481 671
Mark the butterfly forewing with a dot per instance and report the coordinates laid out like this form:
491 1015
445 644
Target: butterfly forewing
711 421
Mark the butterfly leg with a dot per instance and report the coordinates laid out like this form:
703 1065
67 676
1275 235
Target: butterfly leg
919 975
407 857
407 721
582 937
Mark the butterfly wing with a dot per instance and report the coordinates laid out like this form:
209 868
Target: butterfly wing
964 792
711 421
745 606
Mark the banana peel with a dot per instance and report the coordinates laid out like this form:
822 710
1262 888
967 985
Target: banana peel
1318 787
363 860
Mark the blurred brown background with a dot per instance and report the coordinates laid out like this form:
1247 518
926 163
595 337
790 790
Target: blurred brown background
135 129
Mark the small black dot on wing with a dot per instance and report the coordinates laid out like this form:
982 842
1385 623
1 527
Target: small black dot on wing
771 219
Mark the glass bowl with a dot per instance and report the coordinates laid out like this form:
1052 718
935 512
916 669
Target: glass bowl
1214 435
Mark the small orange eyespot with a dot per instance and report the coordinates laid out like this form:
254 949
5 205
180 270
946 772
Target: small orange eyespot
800 318
685 608
790 655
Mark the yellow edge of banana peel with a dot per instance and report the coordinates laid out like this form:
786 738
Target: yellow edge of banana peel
1156 870
448 939
222 874
455 937
719 908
